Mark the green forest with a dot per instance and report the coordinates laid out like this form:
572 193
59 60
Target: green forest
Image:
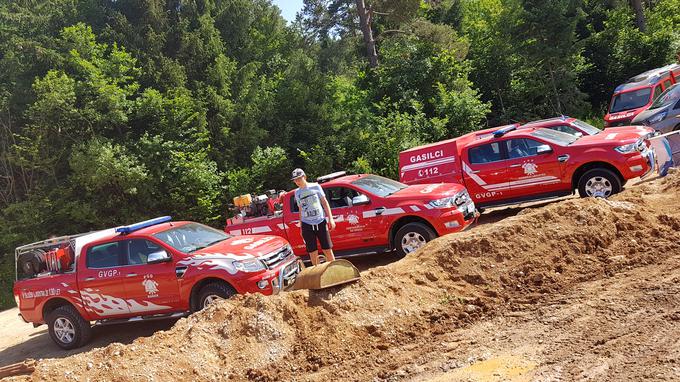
115 111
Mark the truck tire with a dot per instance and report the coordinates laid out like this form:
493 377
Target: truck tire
599 183
411 237
67 328
212 292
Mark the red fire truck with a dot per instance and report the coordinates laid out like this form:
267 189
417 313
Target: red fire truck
513 164
150 270
372 214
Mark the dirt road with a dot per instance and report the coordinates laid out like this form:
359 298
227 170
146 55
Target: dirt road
19 340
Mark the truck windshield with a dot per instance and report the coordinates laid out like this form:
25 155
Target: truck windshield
191 237
377 185
587 128
630 100
556 137
671 95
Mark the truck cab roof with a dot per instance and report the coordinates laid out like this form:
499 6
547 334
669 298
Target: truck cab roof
466 139
111 233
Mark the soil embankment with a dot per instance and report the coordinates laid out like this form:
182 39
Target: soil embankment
581 289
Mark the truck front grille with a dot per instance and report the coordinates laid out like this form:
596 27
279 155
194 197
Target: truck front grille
273 259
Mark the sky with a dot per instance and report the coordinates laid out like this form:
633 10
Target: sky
289 8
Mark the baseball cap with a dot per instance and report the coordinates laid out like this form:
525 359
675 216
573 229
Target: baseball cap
297 173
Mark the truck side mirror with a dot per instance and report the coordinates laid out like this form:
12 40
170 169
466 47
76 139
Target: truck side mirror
360 200
158 257
543 149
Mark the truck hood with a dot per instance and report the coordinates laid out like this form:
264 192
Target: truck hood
608 138
639 130
242 247
428 191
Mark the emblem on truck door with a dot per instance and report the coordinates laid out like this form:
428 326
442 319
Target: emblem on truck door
150 286
530 168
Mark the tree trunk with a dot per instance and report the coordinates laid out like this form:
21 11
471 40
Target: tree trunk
557 94
365 21
639 15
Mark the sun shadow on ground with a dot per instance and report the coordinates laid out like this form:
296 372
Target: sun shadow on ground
39 345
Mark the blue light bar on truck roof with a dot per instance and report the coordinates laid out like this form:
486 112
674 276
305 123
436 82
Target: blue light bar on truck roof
501 132
147 223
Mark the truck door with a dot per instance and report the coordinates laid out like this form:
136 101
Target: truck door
101 280
354 229
150 287
533 168
484 172
291 223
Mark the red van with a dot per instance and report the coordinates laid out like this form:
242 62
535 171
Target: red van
638 93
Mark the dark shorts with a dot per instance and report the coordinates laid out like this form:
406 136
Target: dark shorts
312 233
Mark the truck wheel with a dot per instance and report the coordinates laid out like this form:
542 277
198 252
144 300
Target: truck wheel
412 237
213 292
67 328
599 182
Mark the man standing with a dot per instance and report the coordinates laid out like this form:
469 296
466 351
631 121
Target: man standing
314 209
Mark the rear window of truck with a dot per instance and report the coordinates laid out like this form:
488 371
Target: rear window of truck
106 255
490 152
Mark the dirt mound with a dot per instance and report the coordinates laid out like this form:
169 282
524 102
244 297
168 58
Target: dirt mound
387 325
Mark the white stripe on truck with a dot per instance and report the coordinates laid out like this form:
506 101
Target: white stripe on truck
472 175
261 229
532 181
435 162
387 211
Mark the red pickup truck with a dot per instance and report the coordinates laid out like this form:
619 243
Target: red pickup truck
149 270
513 164
372 214
638 93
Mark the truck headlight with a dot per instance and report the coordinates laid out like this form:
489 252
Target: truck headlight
457 200
657 117
250 265
629 148
446 202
